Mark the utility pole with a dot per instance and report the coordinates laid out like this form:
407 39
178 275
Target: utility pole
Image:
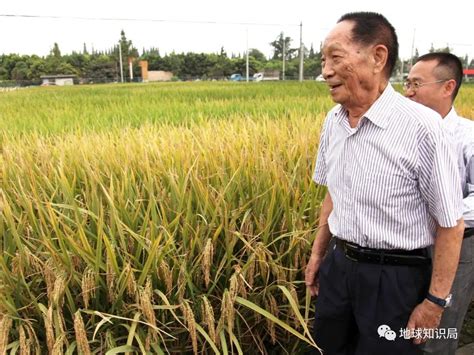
301 52
247 58
283 54
121 64
412 48
130 68
467 67
402 78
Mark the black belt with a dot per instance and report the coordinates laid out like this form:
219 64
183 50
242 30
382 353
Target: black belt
468 232
357 253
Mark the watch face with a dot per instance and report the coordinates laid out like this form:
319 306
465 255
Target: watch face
449 300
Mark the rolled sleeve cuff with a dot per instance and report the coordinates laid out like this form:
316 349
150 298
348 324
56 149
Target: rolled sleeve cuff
319 176
449 218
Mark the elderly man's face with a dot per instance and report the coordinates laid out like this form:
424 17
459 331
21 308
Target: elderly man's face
347 66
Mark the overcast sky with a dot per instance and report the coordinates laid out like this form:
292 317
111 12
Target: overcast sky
427 22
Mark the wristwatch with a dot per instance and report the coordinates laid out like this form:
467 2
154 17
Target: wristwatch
445 303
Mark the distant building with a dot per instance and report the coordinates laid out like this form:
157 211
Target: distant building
59 80
271 74
159 75
154 75
468 74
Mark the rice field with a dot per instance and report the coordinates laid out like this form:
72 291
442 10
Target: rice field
160 218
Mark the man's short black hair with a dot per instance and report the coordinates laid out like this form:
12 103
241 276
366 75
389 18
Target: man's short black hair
449 67
373 28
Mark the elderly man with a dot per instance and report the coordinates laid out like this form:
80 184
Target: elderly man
393 191
434 81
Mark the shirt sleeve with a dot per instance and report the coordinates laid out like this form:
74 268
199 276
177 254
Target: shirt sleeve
468 212
439 177
320 171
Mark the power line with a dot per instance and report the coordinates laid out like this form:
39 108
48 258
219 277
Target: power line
144 20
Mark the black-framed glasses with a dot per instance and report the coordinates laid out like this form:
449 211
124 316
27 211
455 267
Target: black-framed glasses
415 85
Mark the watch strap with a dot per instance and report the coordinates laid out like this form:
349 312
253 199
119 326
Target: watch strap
439 301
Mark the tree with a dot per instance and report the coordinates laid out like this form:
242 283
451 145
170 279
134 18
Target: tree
282 42
53 61
240 65
259 56
465 61
311 54
128 51
55 52
173 63
445 49
20 72
415 56
219 66
8 62
37 67
102 69
78 61
223 53
152 56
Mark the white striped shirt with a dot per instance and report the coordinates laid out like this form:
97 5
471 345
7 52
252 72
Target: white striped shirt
462 132
392 177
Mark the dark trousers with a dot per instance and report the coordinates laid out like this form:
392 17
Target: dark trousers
359 303
463 294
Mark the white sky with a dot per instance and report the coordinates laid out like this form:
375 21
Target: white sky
441 23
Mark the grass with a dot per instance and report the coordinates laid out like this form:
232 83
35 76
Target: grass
159 218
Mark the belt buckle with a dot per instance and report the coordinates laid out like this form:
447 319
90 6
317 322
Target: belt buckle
348 249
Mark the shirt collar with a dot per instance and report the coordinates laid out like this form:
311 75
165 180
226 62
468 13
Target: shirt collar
379 112
451 115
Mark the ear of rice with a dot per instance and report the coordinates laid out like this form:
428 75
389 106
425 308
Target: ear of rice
81 335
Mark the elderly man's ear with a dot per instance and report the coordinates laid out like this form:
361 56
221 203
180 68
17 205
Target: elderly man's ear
380 56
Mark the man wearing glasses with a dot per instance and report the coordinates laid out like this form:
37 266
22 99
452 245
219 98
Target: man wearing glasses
393 191
434 81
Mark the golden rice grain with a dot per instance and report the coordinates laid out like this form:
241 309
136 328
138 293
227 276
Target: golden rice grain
146 305
208 254
50 278
110 280
5 326
48 325
25 344
167 276
81 335
191 323
88 286
58 291
181 282
131 281
208 317
59 345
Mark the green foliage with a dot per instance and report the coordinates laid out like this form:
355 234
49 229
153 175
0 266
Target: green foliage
101 67
20 72
128 52
160 218
281 44
257 55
